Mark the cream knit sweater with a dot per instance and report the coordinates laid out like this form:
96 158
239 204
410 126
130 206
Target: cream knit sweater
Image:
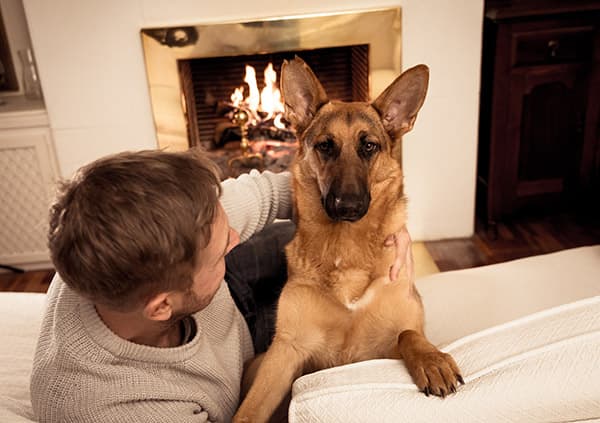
83 372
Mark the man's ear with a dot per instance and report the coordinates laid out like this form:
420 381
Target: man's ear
303 94
399 104
159 307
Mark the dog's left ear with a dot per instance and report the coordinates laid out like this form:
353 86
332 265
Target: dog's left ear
399 104
302 92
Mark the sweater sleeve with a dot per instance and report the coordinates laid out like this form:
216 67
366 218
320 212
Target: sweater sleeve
149 411
254 200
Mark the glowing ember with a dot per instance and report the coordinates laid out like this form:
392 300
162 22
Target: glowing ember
278 123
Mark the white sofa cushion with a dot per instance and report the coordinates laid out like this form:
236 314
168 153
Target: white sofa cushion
462 302
21 316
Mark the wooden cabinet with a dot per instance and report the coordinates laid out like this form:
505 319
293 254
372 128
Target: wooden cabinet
539 117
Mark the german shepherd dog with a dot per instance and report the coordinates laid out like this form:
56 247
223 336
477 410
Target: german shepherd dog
339 305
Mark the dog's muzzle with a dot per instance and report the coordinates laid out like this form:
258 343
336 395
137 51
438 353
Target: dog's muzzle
348 207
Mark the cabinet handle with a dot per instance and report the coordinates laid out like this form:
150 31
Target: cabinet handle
553 46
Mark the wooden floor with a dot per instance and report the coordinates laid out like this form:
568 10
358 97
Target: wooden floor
516 239
34 281
523 237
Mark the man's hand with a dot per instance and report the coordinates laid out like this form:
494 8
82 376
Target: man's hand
404 258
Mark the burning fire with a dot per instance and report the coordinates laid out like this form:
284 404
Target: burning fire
262 105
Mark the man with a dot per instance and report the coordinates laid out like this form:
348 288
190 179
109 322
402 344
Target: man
139 325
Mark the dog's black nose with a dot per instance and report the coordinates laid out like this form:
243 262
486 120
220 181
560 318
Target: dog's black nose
349 207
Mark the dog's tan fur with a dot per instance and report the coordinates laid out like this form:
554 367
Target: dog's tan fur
339 305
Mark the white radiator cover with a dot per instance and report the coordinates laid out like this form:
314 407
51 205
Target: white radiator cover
22 211
28 174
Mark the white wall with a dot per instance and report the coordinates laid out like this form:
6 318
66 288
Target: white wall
91 66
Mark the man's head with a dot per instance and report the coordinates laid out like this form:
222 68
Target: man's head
135 225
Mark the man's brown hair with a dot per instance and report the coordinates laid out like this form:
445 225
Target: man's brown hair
128 226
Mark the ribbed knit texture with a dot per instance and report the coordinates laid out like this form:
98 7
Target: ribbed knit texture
83 372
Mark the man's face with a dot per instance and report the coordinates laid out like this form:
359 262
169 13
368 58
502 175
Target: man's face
211 270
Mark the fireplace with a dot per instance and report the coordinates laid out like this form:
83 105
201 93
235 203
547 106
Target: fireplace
194 70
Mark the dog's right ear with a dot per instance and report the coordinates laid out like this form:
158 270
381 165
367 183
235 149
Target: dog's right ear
303 94
399 104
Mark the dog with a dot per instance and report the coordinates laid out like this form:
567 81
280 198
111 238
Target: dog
339 305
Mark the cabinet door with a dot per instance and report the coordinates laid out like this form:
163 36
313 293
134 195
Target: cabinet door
28 172
546 123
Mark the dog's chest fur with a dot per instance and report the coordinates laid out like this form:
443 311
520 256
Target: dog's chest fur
344 258
349 266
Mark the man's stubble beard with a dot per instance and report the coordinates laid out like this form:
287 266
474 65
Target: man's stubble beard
192 304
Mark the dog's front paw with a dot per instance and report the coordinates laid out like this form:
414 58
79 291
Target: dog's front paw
435 373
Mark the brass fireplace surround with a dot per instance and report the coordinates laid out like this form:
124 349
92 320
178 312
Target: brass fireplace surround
163 47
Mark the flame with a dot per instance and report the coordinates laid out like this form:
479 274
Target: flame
237 98
268 101
270 97
253 99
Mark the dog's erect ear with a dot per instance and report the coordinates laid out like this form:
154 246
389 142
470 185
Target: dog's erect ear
399 104
302 92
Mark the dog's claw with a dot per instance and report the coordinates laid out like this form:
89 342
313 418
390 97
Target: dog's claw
426 391
460 379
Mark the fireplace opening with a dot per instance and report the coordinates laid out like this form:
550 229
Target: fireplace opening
209 85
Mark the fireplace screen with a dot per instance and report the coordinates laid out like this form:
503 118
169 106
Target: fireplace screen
216 86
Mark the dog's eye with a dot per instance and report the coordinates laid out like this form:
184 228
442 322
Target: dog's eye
370 147
325 146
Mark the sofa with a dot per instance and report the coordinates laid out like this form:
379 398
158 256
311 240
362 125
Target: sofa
525 333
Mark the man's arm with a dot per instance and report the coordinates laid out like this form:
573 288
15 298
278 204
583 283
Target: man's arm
254 200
